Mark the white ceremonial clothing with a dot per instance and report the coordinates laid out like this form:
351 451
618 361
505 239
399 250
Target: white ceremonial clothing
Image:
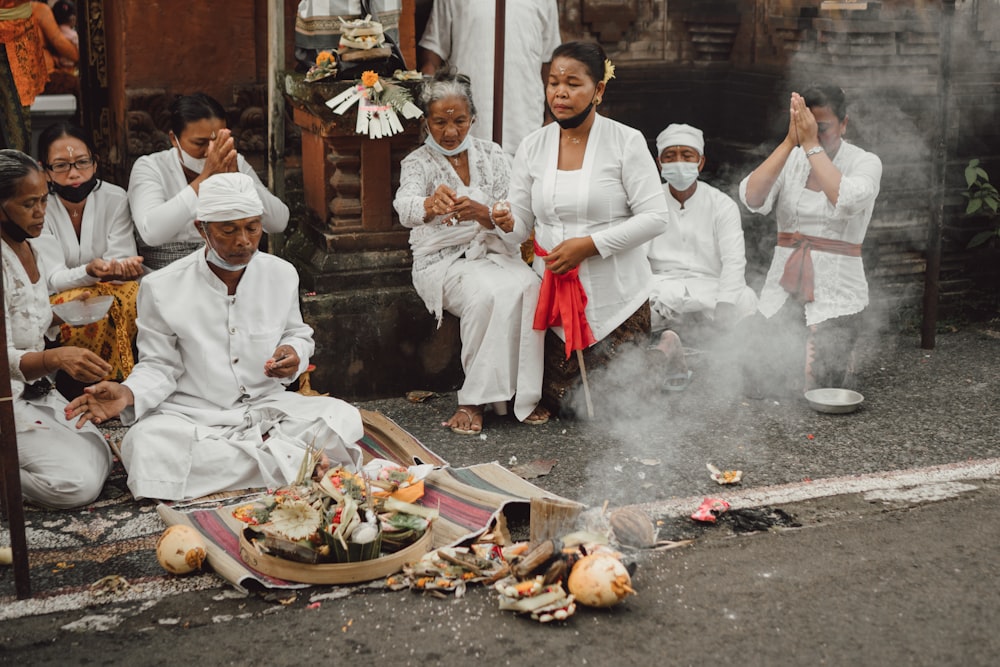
619 204
462 33
205 417
60 466
700 260
106 231
840 284
164 206
476 274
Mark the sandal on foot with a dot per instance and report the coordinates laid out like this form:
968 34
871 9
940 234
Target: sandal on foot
537 417
471 414
678 381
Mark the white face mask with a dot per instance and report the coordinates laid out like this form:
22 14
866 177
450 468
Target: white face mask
680 175
195 164
214 258
464 146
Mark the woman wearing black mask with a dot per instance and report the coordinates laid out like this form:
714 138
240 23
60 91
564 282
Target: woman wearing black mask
88 245
60 466
588 188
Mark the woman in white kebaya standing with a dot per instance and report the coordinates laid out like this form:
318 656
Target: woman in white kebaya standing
463 265
163 187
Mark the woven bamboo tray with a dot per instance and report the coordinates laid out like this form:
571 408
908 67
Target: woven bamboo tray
333 573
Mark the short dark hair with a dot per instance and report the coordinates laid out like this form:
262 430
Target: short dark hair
14 166
57 131
190 108
827 96
591 54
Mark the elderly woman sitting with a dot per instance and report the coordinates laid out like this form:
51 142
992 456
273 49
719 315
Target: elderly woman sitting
461 264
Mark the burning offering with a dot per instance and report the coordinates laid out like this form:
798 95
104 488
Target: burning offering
710 509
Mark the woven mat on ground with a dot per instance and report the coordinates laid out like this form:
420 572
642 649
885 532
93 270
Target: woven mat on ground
468 500
106 552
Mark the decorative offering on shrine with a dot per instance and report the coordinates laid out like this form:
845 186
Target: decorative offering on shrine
380 103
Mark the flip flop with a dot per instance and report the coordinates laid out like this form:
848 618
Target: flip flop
472 416
536 420
678 381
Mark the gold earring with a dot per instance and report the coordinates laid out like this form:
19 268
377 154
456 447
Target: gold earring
597 100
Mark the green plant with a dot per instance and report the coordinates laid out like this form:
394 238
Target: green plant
981 195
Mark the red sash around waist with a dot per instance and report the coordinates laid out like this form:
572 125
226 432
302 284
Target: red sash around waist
561 302
798 277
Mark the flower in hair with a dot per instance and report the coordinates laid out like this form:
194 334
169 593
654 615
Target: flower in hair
609 70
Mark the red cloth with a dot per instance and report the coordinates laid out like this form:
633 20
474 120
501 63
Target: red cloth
798 277
561 302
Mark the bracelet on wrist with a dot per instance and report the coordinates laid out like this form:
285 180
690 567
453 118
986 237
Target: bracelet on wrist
815 150
45 366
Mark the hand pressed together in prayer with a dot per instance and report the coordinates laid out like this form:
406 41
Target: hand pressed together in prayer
99 402
802 127
569 254
127 268
283 364
221 155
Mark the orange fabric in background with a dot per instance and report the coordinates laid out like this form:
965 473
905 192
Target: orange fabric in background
25 53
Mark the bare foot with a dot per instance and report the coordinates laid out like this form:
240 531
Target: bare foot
467 420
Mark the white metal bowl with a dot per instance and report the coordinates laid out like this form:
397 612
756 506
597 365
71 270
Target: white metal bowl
833 400
77 313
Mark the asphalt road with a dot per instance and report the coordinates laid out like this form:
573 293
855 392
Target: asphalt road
868 578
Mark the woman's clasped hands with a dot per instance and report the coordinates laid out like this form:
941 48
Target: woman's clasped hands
455 208
126 268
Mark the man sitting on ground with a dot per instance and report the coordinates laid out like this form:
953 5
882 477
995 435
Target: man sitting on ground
699 262
220 338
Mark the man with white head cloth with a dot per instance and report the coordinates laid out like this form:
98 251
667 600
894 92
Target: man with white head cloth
220 338
699 262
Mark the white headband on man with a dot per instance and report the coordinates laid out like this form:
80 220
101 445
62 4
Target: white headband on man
228 196
680 134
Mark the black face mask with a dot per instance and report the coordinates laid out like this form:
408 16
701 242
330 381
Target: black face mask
573 121
74 194
16 233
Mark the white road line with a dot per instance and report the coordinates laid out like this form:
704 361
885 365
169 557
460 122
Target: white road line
833 486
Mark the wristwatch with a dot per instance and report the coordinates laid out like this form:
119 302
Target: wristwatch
814 150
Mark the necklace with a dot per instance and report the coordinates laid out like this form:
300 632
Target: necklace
455 160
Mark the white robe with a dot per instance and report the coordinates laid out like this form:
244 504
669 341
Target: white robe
478 276
106 231
700 260
840 284
619 203
462 32
60 466
205 417
164 205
